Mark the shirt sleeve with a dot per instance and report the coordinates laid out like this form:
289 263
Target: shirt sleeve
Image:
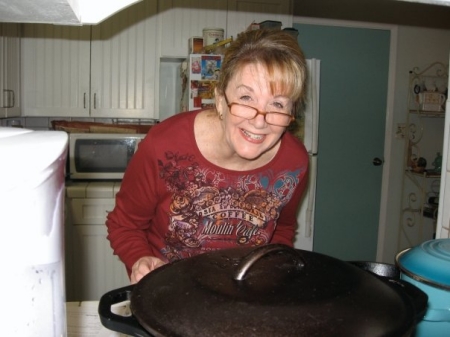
287 221
136 201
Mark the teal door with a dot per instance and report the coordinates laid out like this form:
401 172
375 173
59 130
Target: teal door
353 96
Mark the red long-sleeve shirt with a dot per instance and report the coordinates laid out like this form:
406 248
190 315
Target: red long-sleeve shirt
173 203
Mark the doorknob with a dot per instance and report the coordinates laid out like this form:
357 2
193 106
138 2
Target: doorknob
377 161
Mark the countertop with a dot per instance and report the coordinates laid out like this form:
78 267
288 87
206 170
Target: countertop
83 319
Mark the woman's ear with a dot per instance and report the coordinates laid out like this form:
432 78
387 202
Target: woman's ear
219 99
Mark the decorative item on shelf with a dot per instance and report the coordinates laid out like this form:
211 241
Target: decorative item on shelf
212 36
437 163
428 89
195 45
430 211
291 31
217 48
268 24
431 101
418 165
433 200
253 26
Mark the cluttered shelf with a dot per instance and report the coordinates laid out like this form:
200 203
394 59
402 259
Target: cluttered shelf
425 174
427 113
425 107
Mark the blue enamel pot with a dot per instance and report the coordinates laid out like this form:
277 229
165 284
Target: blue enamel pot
427 266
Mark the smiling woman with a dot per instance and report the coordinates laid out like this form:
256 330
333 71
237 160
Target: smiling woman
219 178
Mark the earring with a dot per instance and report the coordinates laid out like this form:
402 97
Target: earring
219 113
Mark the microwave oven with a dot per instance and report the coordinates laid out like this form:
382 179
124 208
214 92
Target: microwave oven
100 155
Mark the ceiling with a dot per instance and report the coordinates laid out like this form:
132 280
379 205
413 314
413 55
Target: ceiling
408 13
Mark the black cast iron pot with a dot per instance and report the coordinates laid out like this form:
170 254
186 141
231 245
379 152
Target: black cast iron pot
272 290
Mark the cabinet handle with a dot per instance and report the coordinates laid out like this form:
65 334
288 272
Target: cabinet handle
95 101
8 98
84 101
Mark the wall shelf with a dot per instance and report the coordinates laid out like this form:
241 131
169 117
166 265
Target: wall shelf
427 94
428 114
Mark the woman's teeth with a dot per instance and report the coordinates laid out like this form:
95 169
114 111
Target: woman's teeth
252 136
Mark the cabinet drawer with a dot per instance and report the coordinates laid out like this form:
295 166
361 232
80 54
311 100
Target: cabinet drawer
90 211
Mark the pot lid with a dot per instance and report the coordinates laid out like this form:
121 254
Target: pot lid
428 262
282 292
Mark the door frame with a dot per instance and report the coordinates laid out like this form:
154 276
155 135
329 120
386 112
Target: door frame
390 117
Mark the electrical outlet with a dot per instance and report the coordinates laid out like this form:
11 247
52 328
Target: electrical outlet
400 133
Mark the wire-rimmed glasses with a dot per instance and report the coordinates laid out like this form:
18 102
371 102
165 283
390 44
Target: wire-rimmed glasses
249 112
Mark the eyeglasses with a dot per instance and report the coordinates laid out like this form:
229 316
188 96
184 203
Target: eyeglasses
248 112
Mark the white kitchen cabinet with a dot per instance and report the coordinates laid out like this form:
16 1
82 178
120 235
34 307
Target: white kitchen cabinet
179 20
96 269
55 62
123 64
106 70
91 267
9 70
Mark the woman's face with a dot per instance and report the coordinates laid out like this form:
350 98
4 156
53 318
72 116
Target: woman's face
250 138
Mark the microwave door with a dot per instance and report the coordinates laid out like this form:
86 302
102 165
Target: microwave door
101 157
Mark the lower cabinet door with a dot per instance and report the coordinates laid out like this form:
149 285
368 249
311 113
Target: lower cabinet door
95 269
91 267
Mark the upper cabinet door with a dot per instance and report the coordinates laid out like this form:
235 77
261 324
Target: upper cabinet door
179 20
55 64
9 70
106 70
241 13
123 63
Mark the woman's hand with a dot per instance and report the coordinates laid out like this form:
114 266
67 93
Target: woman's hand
143 266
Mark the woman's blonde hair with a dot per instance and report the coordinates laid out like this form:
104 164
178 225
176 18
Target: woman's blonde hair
278 52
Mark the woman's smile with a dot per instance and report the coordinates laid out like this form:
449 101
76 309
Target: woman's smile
252 137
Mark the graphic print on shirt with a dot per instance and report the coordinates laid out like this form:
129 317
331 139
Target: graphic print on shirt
210 210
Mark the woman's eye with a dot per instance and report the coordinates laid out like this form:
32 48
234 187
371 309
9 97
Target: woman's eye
245 98
278 106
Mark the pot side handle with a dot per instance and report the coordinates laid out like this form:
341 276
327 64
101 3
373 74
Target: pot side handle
123 324
437 315
419 299
248 261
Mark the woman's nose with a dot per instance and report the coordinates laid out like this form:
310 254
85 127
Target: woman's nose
259 121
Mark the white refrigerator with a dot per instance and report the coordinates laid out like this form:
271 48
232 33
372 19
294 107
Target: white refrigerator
443 220
203 71
309 132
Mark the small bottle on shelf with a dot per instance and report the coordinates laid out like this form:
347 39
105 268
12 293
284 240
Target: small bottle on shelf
437 163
